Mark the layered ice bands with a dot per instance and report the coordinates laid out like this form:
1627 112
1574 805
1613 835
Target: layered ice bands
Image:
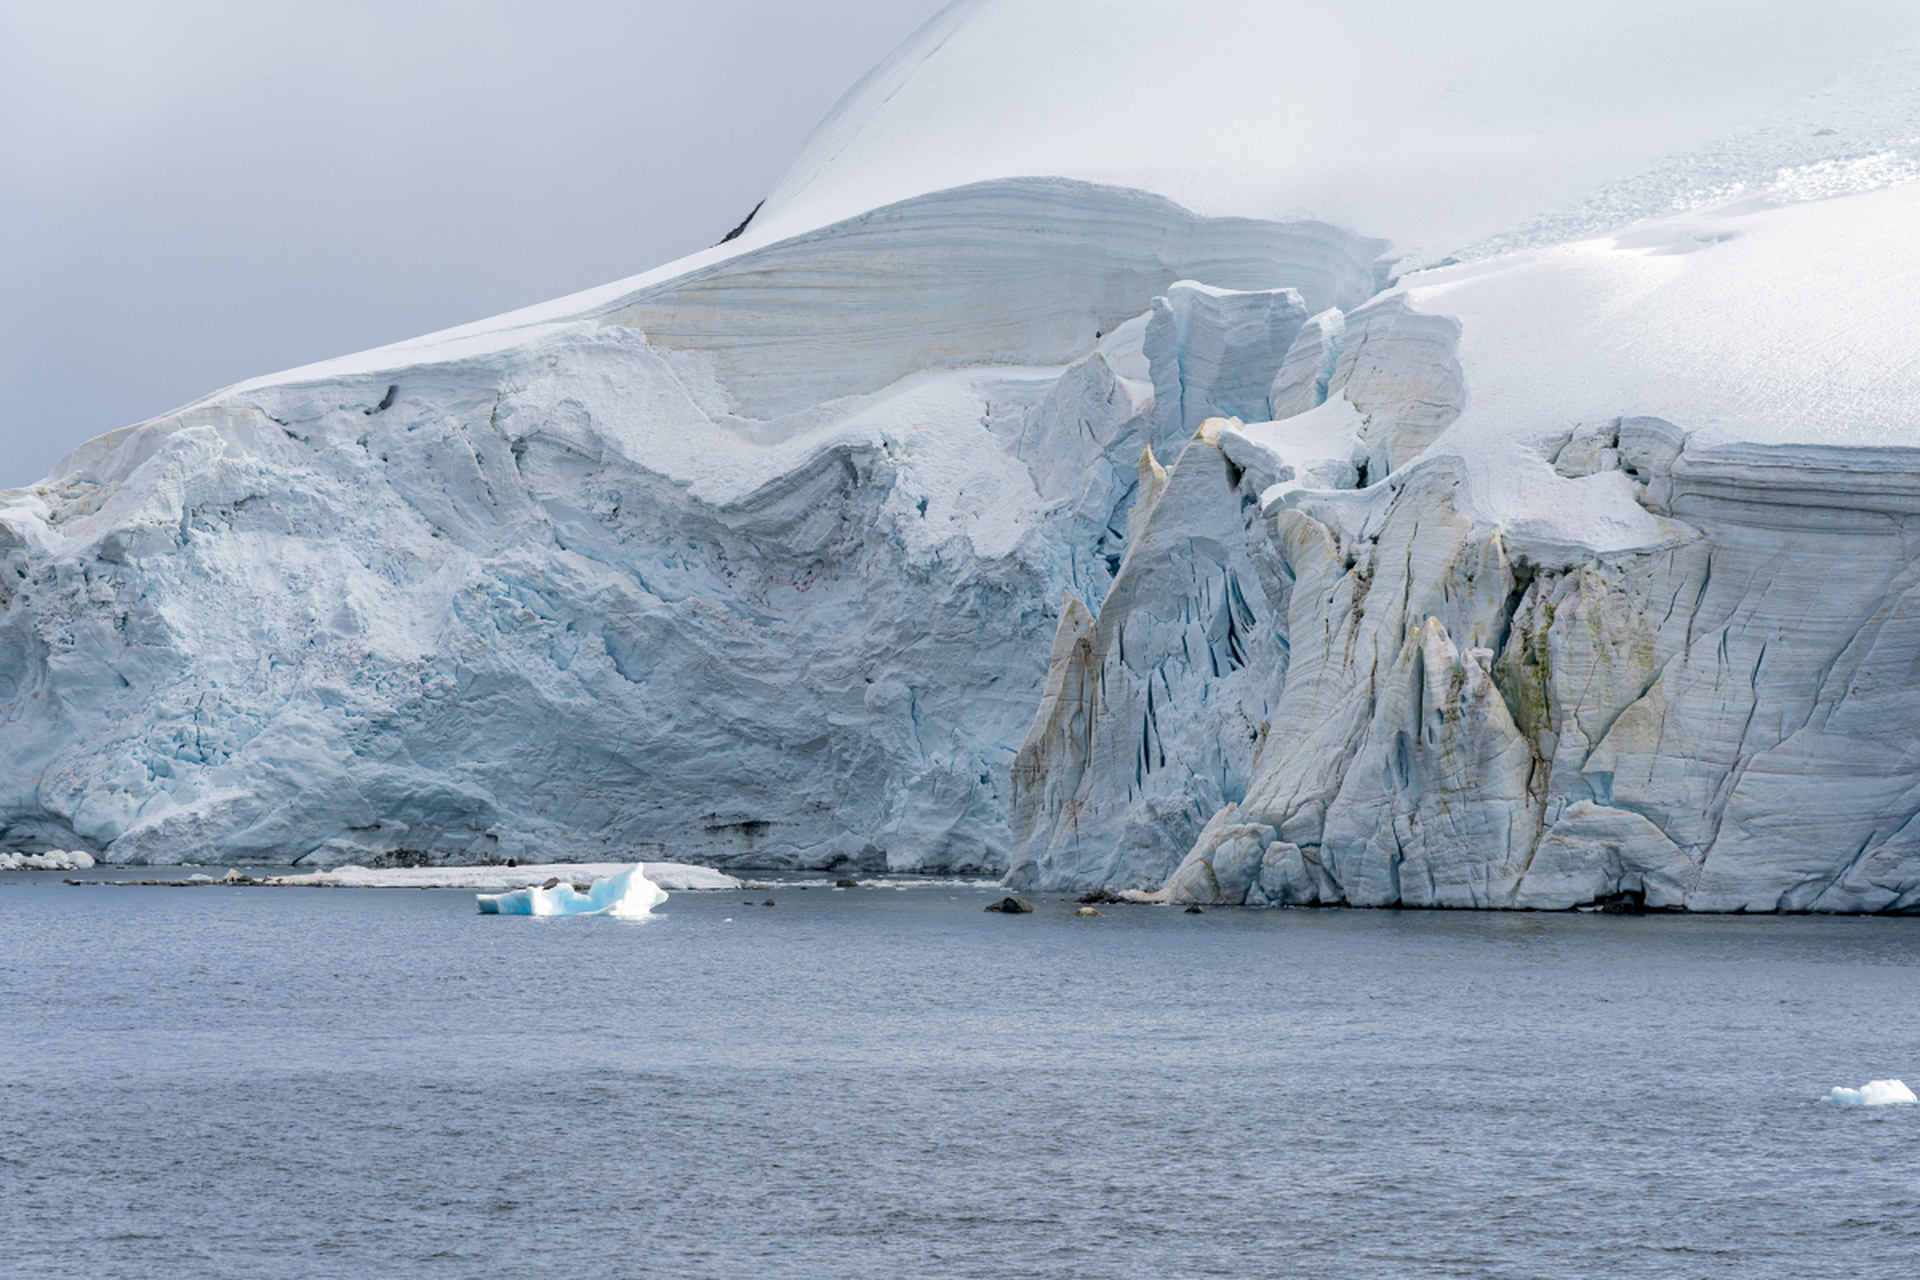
629 895
982 508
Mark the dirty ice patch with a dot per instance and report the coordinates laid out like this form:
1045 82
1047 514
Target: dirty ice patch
1876 1093
628 895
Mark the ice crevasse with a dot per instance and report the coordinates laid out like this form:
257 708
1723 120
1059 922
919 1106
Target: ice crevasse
1326 494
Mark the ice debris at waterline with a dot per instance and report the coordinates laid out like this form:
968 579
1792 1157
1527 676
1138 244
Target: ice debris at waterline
628 895
1876 1093
51 860
667 875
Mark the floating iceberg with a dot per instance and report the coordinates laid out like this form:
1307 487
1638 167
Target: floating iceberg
1876 1093
51 860
628 895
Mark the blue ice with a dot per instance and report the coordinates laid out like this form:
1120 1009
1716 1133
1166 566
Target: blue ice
629 895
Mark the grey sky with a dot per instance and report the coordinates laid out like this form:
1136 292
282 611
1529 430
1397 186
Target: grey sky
200 191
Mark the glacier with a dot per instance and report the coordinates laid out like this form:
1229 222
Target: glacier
1310 493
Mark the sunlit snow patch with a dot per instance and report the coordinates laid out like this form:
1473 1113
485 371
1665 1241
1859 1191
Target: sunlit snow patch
1876 1093
628 895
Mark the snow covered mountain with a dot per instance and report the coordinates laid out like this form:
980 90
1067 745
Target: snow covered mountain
1402 457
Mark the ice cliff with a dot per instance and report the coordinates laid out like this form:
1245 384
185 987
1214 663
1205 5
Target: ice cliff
689 570
1116 488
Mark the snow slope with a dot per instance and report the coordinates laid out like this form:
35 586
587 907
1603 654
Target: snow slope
1403 455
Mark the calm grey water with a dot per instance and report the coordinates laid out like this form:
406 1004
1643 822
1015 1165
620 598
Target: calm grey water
250 1082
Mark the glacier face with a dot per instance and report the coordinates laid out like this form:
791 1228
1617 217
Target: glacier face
958 518
1559 655
693 571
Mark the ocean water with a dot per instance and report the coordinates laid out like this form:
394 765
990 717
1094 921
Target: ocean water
892 1083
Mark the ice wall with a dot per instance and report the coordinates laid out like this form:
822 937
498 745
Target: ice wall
1623 660
758 567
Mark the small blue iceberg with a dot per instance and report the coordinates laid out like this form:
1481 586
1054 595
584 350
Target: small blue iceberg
628 895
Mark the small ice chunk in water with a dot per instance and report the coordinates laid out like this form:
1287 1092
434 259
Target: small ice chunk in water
1877 1093
628 895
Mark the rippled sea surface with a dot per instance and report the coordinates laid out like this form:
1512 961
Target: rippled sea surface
887 1083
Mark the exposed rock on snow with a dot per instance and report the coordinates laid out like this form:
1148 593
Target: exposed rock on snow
1579 565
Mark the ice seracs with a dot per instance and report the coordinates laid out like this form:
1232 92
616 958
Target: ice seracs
1631 652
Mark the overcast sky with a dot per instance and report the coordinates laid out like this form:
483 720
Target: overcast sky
200 191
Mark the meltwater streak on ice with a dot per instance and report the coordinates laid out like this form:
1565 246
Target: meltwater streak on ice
629 896
1875 1093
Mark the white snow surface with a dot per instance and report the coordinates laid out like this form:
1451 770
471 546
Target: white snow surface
1459 128
1875 1093
1266 453
1432 125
